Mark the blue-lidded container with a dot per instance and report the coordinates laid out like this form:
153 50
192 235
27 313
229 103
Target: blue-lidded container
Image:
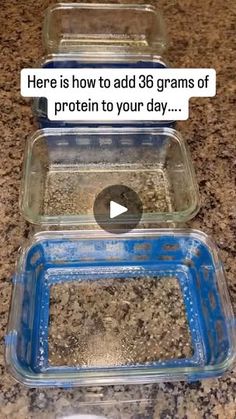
101 36
84 263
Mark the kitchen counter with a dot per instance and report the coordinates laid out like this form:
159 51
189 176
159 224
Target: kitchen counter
201 34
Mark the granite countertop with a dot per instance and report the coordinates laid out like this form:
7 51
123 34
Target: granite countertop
202 34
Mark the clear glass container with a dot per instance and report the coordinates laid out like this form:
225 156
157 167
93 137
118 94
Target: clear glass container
91 308
70 27
65 169
78 35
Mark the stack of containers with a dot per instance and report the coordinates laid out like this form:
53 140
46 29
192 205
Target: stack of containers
66 166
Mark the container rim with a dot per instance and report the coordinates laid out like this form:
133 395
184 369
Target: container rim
99 56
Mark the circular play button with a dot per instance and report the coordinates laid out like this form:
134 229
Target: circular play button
117 209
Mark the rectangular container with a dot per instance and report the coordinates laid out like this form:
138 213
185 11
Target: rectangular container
133 279
70 27
65 169
102 36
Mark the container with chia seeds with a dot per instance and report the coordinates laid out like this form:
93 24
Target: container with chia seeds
94 308
66 169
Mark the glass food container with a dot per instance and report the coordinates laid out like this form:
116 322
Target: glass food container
94 308
104 27
79 35
65 170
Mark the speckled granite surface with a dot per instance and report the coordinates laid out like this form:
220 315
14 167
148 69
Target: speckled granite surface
202 33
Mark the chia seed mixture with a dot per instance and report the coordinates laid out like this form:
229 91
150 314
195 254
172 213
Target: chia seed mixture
112 322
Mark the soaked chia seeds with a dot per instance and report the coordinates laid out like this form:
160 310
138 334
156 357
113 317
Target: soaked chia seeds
74 192
117 322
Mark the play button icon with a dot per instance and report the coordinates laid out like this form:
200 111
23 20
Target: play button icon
117 209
